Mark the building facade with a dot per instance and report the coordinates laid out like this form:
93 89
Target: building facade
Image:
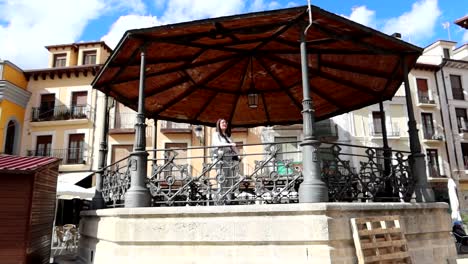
61 113
13 101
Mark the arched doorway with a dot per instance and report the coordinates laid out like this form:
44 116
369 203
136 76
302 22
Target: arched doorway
10 137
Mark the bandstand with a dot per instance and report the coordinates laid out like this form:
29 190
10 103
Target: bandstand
291 66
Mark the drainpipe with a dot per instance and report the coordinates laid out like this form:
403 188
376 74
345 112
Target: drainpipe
450 119
442 118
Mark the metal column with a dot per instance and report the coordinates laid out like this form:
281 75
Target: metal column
388 192
98 200
312 189
138 194
416 159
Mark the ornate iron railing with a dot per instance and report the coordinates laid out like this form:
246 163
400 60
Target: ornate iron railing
352 173
61 112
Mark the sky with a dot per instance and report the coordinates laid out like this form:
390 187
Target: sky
27 26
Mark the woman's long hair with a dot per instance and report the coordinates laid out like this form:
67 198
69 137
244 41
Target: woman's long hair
227 132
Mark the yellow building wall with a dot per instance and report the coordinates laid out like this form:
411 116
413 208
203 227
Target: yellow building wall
14 76
9 110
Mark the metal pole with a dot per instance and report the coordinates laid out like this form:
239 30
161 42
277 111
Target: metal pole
138 194
417 162
387 155
98 200
312 189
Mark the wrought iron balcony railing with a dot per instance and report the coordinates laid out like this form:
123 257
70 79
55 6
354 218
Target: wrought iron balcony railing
267 179
428 135
69 156
326 128
392 131
174 125
61 112
124 120
424 99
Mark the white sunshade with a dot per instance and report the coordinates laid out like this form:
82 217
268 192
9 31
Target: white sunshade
66 188
454 203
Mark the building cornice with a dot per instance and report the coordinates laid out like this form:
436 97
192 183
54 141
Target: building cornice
61 72
426 67
13 93
76 46
459 64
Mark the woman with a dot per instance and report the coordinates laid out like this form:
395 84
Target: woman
222 138
227 152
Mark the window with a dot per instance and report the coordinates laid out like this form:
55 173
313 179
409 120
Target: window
78 105
433 162
124 117
423 90
446 53
60 60
43 146
75 148
461 118
286 146
89 57
377 122
428 125
10 138
46 109
465 154
457 88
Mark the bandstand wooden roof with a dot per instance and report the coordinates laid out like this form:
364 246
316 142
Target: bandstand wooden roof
199 71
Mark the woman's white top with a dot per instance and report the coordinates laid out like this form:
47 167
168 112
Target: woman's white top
219 141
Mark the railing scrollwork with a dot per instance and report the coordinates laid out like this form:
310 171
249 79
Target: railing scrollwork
352 173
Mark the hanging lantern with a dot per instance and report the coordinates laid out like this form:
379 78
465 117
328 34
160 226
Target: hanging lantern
252 96
252 99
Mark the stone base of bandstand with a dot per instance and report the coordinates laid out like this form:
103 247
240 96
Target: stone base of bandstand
286 233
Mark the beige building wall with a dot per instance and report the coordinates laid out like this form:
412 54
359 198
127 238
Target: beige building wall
63 82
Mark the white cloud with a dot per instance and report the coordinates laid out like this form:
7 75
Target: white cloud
362 15
26 26
417 24
292 4
187 10
465 37
160 4
125 23
260 5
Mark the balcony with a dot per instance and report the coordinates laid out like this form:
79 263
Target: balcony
169 127
463 127
425 101
326 129
122 123
70 156
432 137
59 113
392 132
